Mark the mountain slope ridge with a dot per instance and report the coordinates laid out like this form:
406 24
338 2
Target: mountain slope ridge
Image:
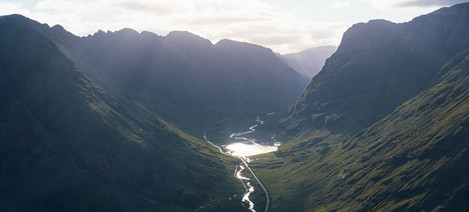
412 155
69 144
188 80
413 159
378 66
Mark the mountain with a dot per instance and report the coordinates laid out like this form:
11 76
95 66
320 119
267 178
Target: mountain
377 67
384 126
309 61
186 79
73 140
94 123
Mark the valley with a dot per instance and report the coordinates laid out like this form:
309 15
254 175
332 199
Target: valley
242 148
134 121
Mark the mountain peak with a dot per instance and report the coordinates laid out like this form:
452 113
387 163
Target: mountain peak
380 21
16 16
374 54
58 27
454 12
367 35
462 6
186 38
128 31
20 19
231 44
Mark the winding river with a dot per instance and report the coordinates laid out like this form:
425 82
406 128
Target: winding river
242 146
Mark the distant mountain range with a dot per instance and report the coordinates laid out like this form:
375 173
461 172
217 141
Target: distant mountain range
109 122
309 61
86 123
384 126
185 78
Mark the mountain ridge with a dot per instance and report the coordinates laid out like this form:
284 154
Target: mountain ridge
405 152
71 143
364 56
201 69
94 123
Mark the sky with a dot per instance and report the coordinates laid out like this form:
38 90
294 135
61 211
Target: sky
285 26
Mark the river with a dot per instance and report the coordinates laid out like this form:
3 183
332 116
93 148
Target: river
244 144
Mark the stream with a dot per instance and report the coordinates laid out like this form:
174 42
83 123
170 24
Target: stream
242 145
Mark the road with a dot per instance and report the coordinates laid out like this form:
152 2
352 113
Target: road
249 168
260 183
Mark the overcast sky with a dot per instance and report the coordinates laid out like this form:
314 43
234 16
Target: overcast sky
284 25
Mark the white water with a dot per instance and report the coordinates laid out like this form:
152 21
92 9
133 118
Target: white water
246 197
247 186
243 147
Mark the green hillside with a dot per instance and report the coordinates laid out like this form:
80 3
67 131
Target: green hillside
109 122
69 144
414 159
377 67
379 129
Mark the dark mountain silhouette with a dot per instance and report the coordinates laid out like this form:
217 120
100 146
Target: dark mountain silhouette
76 133
93 123
378 66
385 125
188 80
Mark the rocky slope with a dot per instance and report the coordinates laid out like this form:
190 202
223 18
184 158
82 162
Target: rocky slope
378 66
72 141
384 126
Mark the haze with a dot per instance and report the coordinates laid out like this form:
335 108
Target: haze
284 26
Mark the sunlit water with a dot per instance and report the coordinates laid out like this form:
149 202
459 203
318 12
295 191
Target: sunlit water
249 149
243 147
246 197
247 186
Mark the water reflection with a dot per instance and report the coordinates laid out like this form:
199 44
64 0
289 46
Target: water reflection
243 146
248 149
247 186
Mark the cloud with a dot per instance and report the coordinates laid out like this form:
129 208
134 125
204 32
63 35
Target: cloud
9 8
340 4
429 3
156 8
243 20
386 4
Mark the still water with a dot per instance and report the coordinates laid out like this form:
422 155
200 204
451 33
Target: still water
242 146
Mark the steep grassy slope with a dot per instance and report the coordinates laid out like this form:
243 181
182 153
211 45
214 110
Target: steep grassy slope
378 66
414 157
69 143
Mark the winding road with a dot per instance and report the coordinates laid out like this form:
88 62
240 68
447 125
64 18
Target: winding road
262 185
249 168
